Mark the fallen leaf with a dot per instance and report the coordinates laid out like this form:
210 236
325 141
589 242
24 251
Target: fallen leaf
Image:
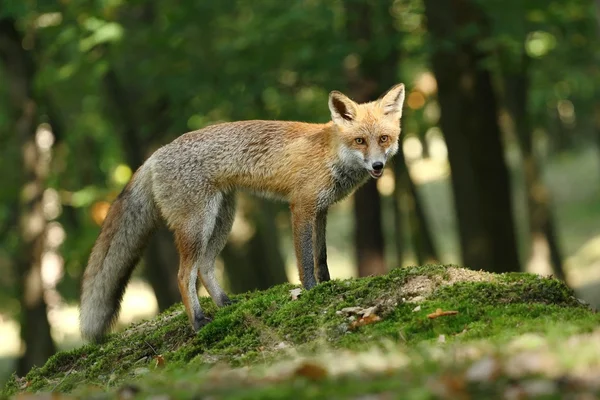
295 293
371 319
160 361
311 371
440 313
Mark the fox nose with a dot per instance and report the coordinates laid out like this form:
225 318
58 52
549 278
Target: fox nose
377 165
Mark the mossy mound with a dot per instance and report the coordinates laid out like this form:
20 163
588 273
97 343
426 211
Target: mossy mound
396 314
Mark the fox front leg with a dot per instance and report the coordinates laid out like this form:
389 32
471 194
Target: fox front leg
303 225
320 246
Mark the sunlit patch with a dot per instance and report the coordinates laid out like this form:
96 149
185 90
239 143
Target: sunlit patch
431 113
242 230
11 344
44 139
566 111
48 19
121 174
55 234
386 184
539 43
51 204
139 302
100 211
64 322
437 145
52 269
426 83
415 100
412 147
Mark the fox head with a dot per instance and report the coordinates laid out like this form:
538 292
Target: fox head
367 133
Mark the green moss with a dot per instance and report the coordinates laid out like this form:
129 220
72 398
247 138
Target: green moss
260 326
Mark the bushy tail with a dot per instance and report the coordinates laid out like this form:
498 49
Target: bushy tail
130 220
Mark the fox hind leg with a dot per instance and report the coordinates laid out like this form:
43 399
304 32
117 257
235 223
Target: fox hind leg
192 241
187 280
216 243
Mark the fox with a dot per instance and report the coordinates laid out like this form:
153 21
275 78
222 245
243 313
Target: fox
191 184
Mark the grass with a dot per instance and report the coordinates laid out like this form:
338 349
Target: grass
341 339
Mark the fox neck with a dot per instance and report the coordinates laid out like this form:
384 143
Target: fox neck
347 174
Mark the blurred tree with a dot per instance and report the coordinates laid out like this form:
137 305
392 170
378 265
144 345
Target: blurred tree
253 260
405 191
544 243
35 327
371 69
469 122
515 69
161 259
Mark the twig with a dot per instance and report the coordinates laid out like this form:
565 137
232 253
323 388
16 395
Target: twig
151 347
62 380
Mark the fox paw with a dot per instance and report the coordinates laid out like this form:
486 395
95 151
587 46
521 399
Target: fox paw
226 301
200 321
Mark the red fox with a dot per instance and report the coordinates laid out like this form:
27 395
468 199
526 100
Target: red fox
191 184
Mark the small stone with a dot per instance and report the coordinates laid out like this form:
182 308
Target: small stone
295 293
416 309
140 371
483 370
442 339
416 299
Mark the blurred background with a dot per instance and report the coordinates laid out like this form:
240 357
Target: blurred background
499 168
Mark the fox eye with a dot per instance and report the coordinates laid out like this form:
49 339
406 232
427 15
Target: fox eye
384 138
359 140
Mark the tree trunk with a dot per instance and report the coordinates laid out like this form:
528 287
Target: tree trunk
368 231
399 168
544 252
468 119
375 73
420 233
255 263
35 327
161 260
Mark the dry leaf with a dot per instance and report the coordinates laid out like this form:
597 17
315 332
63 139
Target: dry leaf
440 313
160 361
311 371
371 319
295 293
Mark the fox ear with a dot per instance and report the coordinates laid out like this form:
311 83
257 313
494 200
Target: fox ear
393 100
343 110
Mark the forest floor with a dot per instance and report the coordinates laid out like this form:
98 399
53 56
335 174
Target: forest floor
415 333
